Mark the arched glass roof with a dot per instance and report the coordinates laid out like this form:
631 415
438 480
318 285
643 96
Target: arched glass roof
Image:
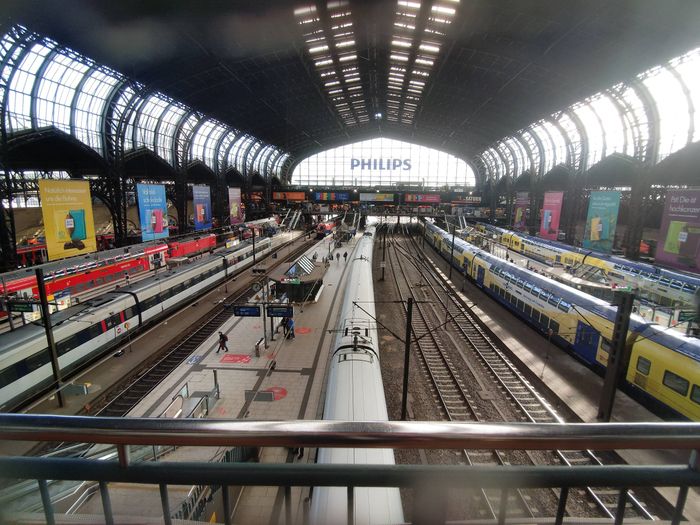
47 85
648 118
383 162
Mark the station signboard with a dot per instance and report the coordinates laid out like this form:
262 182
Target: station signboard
25 307
422 197
297 196
246 311
280 311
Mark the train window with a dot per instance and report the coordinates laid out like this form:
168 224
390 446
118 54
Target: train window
605 345
554 301
535 315
520 304
689 287
491 286
544 321
508 296
521 283
554 326
676 383
695 394
528 286
564 306
676 285
665 281
535 291
643 365
99 280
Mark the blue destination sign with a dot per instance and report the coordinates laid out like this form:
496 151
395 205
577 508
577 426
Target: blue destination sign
381 164
280 311
246 311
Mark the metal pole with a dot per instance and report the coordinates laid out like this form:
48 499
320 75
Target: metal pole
407 348
6 304
384 251
272 322
619 355
46 317
452 251
253 230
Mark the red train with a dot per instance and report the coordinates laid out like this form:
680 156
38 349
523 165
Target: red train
190 247
89 275
324 229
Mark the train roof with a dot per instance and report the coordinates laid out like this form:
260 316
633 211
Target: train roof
626 264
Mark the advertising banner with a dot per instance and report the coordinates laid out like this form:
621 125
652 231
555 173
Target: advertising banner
551 212
153 211
331 196
417 197
377 197
201 200
289 196
680 230
522 203
234 206
66 207
601 220
471 199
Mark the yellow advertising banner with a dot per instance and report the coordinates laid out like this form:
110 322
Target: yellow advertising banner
69 226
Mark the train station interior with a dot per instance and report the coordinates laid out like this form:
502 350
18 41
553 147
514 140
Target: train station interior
348 261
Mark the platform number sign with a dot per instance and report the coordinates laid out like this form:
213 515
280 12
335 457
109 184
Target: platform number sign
280 311
246 311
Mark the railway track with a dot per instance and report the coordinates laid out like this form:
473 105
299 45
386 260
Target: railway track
444 320
145 381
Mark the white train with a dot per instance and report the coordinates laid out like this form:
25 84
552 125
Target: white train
85 332
355 393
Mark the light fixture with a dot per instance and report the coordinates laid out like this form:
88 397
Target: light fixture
378 116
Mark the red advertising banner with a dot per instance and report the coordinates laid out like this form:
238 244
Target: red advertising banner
522 203
419 197
680 230
551 212
288 196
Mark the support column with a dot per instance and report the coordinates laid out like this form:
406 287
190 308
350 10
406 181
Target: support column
181 202
8 244
220 200
534 218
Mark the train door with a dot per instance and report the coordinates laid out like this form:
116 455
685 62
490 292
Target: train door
480 276
586 342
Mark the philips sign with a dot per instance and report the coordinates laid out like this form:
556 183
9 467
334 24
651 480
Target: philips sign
380 164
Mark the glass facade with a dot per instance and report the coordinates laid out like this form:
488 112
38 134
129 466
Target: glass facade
47 85
648 118
383 162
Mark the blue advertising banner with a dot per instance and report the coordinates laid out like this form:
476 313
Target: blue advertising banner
601 221
153 211
201 200
331 196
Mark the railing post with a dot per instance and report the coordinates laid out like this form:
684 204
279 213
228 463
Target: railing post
561 508
46 501
288 505
693 464
227 504
620 510
351 505
165 504
124 455
106 503
503 507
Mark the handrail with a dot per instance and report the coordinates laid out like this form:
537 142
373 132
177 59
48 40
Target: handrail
359 434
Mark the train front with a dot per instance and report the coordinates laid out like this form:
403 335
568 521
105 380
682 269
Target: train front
355 393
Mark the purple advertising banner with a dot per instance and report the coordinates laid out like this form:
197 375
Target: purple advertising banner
201 199
522 203
551 211
234 205
680 230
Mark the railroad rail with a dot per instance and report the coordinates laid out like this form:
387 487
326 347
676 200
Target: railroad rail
461 328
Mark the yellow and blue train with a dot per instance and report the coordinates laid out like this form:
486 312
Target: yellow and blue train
664 366
659 285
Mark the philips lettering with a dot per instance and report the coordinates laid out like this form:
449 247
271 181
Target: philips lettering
381 164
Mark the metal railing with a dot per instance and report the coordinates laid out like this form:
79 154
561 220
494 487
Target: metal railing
124 433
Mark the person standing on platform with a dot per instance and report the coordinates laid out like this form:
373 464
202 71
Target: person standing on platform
290 328
345 256
223 339
337 256
126 279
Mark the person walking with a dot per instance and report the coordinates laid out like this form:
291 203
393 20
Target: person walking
290 328
223 339
345 256
337 256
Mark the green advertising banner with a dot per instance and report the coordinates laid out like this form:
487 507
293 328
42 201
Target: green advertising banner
601 221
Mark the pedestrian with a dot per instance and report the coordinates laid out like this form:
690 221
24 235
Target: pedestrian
290 328
337 256
223 339
345 256
126 279
285 326
315 256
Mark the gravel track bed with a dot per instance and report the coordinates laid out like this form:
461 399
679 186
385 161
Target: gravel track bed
488 397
